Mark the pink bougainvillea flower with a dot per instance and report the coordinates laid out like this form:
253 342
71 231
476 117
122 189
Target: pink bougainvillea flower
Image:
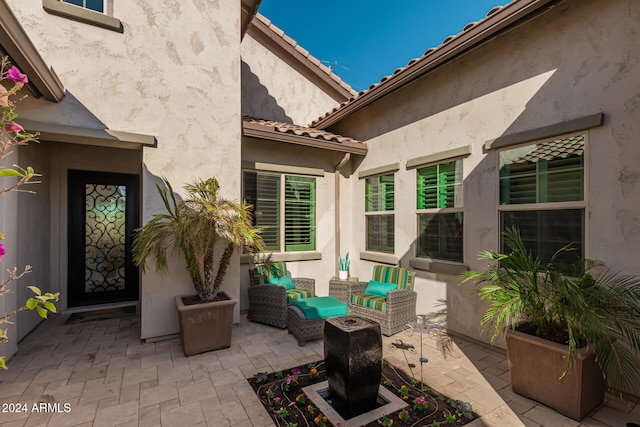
16 76
2 251
12 127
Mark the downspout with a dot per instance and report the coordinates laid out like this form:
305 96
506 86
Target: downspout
336 219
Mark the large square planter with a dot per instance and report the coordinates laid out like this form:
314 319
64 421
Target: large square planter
207 326
535 366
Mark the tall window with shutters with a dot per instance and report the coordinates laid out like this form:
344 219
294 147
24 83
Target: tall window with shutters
542 189
379 213
285 207
439 208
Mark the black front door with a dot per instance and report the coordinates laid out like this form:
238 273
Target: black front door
103 212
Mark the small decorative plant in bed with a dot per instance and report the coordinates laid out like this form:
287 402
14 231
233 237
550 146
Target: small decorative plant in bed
282 396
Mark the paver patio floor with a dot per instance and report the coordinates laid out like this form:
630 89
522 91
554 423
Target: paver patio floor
101 374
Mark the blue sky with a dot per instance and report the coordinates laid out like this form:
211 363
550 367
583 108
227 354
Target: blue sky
366 40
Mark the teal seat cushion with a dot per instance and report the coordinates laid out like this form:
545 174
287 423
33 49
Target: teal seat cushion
282 281
321 307
379 289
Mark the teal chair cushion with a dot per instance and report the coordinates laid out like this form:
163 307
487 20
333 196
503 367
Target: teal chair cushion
262 272
379 288
282 281
321 307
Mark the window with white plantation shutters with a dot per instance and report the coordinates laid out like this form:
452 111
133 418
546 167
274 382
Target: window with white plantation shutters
439 205
379 216
292 216
542 194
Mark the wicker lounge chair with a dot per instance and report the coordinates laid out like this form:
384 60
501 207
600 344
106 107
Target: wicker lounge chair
268 303
394 312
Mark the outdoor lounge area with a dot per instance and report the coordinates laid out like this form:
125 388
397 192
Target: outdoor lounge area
108 376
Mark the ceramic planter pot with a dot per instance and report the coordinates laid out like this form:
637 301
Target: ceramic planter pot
535 366
207 326
343 274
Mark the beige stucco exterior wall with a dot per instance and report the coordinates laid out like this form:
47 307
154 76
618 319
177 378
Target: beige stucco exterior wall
273 89
174 72
9 223
578 59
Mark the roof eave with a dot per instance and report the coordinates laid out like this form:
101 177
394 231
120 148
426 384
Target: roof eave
505 19
249 8
43 81
257 130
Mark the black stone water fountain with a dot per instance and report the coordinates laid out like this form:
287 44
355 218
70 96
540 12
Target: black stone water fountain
353 358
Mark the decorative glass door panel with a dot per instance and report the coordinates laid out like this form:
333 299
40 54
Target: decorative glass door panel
103 212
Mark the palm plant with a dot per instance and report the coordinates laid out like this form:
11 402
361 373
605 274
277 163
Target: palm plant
576 305
193 229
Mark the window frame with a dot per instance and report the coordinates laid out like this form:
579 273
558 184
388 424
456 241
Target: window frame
282 205
106 5
546 206
378 213
82 14
458 162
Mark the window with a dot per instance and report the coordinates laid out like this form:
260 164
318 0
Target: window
379 206
97 5
542 194
439 208
292 215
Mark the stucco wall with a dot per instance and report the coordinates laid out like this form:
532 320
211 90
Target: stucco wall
8 225
174 72
575 60
34 231
273 89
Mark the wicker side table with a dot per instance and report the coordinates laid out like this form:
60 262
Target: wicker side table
341 289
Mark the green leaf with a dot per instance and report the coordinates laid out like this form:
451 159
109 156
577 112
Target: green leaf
9 172
49 306
32 303
42 312
35 290
3 365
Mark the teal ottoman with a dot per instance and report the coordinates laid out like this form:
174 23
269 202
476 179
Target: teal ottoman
306 316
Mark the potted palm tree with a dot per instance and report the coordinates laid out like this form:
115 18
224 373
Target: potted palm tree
569 329
197 229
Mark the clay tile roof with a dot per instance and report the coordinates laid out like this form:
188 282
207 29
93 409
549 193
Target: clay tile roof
287 132
558 149
305 53
516 7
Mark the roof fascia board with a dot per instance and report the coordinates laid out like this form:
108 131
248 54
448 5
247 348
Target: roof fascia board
509 16
56 132
249 8
261 31
16 43
256 130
